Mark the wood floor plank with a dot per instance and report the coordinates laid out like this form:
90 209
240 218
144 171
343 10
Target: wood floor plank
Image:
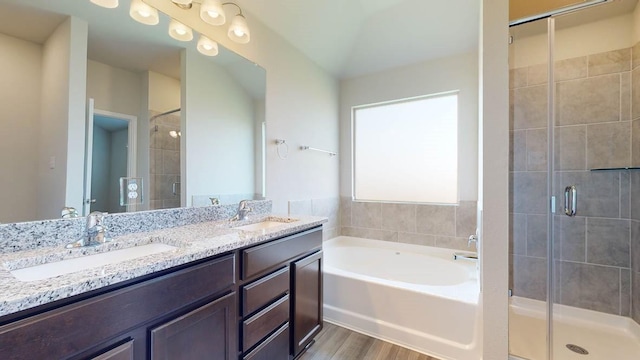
330 339
406 354
355 347
337 343
382 350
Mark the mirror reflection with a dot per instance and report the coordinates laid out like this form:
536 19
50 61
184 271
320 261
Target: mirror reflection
91 111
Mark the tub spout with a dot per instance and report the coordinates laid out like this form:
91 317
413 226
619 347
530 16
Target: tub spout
465 256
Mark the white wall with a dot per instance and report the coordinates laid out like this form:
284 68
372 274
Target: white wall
164 92
21 76
259 107
118 167
217 151
101 160
114 89
62 127
608 34
493 197
301 107
459 72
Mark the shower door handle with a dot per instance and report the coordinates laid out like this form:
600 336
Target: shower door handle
570 200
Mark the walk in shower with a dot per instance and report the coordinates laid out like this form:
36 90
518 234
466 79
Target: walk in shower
575 185
164 159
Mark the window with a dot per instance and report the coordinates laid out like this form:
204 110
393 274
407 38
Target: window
407 150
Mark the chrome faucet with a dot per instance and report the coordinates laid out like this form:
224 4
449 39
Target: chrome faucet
95 232
243 211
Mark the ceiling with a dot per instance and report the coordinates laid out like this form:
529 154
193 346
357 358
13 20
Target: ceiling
346 38
349 38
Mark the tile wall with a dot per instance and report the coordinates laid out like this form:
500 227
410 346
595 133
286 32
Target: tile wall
593 130
327 207
635 184
447 226
164 161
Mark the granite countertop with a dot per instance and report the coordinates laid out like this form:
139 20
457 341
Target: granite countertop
193 242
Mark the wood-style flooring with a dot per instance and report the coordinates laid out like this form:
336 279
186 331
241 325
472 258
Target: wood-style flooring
337 343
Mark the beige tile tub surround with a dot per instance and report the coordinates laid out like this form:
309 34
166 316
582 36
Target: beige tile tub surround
597 126
446 226
326 207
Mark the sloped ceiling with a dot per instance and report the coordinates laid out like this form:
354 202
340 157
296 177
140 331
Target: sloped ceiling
349 38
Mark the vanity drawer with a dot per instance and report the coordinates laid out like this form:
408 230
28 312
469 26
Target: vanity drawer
275 347
258 259
260 292
261 324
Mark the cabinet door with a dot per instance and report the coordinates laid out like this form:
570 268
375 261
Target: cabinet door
307 300
208 332
122 352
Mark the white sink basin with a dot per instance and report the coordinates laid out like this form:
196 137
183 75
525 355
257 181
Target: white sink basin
260 226
62 267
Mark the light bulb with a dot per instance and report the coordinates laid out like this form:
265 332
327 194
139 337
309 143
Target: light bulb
109 4
239 30
143 13
212 13
180 31
207 46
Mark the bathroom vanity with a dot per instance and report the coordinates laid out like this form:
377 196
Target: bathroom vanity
258 299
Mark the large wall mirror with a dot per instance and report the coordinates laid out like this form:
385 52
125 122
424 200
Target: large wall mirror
89 97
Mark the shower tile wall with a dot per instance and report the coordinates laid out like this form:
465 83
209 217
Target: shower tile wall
593 130
446 226
327 207
635 185
164 161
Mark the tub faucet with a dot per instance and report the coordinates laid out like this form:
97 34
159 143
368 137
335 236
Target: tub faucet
243 211
95 231
473 239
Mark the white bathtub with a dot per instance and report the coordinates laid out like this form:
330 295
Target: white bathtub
414 296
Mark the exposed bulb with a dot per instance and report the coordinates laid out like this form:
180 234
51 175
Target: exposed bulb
144 13
238 32
180 31
213 14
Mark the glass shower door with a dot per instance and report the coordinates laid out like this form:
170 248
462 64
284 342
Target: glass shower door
575 185
529 191
593 225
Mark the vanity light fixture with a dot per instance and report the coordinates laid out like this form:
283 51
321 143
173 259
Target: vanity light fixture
211 12
207 46
185 4
109 4
239 30
180 31
143 13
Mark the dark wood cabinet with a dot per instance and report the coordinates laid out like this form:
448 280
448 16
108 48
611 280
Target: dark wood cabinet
122 352
274 347
281 296
85 328
266 307
202 334
306 301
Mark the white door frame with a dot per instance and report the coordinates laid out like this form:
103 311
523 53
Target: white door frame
132 147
